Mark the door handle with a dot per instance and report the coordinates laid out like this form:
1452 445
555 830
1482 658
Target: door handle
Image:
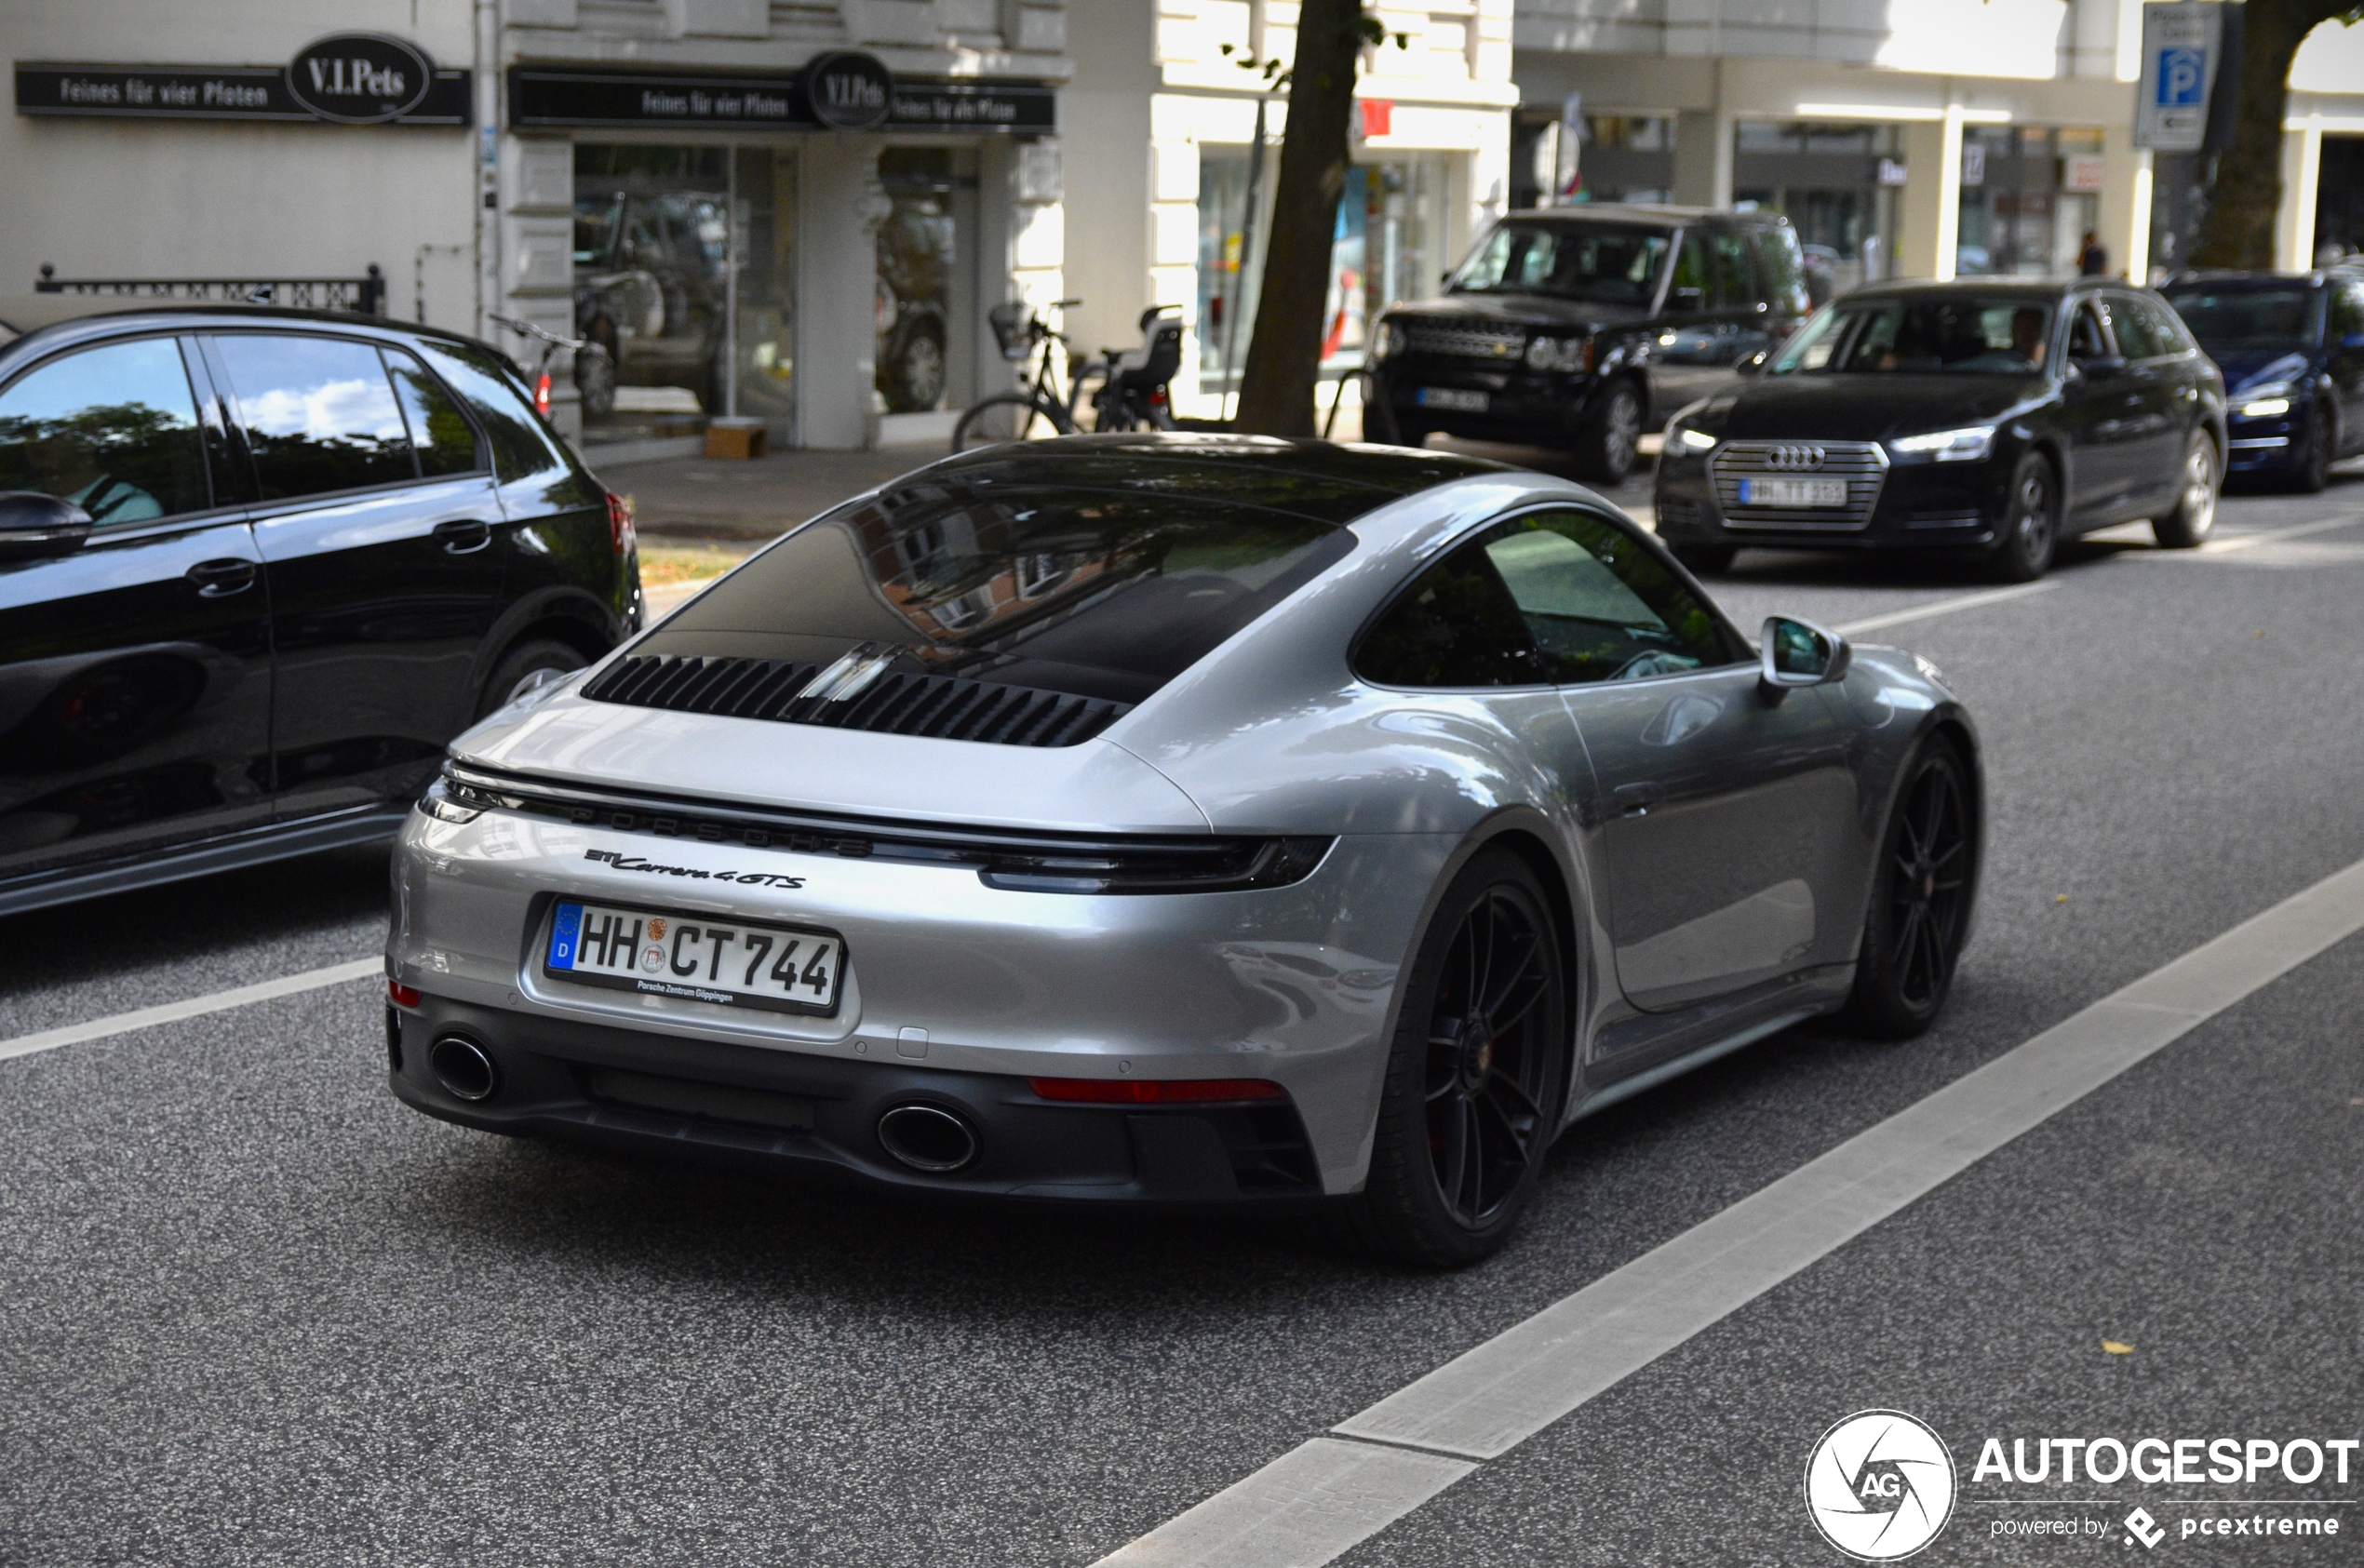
464 536
218 580
1635 799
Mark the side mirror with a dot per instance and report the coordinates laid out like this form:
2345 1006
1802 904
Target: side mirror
1799 653
1755 363
32 525
1687 300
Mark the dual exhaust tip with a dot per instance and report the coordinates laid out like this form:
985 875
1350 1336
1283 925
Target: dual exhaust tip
924 1137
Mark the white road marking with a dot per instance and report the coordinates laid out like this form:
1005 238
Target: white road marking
2226 547
1300 1511
192 1007
1942 607
1489 1401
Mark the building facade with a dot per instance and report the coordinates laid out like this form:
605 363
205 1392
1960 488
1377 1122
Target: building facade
793 211
1171 181
1943 137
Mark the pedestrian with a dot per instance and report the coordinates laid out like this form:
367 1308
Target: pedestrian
2093 261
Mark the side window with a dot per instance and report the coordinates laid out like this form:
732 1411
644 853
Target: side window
1782 264
2087 341
2134 337
2347 311
319 413
441 435
1599 604
112 429
1735 270
1455 626
520 445
2167 327
1690 273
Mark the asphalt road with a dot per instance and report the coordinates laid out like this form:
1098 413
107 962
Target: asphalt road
253 1311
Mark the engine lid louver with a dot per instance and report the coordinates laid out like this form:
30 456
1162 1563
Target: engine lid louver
940 707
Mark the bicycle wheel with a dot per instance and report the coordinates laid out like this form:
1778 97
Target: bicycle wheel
1008 416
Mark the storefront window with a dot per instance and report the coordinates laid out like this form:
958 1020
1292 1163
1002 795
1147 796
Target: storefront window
926 292
2022 214
1619 157
651 243
766 193
1834 184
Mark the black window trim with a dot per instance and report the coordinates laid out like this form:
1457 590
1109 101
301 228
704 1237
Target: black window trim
220 374
1436 554
199 375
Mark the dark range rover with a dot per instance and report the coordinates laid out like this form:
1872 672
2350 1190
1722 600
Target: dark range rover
1582 327
257 567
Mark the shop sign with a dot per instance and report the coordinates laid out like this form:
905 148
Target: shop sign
2084 171
1890 172
359 78
848 90
345 79
824 96
1973 163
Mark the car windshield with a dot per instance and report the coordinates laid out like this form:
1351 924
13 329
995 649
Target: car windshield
2247 319
1104 593
1616 263
1965 333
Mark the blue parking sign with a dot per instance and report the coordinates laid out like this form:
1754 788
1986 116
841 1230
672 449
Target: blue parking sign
2182 78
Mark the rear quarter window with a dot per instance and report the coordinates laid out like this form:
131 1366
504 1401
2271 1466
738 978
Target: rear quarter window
521 446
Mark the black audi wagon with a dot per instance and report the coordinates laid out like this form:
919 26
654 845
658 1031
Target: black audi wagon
1581 326
1986 416
257 567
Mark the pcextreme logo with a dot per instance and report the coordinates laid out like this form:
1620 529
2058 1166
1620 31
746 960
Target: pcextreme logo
1879 1485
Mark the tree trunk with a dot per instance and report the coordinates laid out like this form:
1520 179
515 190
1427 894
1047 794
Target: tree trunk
2246 195
1285 352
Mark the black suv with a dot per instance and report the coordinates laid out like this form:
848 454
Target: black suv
257 567
1582 327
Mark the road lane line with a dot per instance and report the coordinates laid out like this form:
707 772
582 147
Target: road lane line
1942 607
1300 1511
2271 536
192 1007
1486 1401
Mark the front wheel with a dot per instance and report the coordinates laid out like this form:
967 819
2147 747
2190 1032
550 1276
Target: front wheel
525 668
1009 416
2313 475
1471 1100
1607 448
2188 526
2030 524
1920 901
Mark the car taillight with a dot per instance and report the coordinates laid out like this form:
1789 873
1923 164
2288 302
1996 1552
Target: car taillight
1155 1090
542 395
401 995
620 521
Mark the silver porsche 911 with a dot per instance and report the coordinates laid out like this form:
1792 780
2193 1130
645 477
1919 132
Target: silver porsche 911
1178 819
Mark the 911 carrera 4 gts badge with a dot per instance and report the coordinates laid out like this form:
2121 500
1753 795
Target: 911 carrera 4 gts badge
634 863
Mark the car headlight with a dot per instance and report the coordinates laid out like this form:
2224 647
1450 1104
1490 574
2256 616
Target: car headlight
1688 439
1559 354
2265 402
1392 340
443 805
1974 444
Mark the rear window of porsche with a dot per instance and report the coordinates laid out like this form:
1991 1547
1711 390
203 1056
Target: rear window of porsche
1093 593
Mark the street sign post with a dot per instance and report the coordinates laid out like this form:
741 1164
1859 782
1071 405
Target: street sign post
2182 46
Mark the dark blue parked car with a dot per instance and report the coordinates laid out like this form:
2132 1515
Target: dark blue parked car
2291 347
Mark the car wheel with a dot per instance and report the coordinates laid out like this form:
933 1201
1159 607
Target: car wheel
2313 473
526 666
2030 523
1920 904
1471 1100
2194 514
1704 560
1608 446
919 374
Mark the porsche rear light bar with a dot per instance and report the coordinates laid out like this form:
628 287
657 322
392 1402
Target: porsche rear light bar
1156 1091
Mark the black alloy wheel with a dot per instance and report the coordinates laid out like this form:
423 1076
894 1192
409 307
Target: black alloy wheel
1606 450
2194 518
2031 526
2312 474
1473 1096
1920 901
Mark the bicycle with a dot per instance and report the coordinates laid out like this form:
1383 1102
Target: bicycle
1132 385
592 366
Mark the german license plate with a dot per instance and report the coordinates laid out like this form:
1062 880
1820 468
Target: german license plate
1794 492
695 957
1453 398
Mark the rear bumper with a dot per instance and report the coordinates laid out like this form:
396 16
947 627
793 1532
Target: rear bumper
819 1117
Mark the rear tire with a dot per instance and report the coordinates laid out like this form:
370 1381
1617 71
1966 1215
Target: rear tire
1920 902
2313 473
2194 518
1608 448
523 667
1471 1100
1704 560
2030 524
1007 416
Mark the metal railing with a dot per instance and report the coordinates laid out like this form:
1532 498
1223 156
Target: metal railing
365 294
